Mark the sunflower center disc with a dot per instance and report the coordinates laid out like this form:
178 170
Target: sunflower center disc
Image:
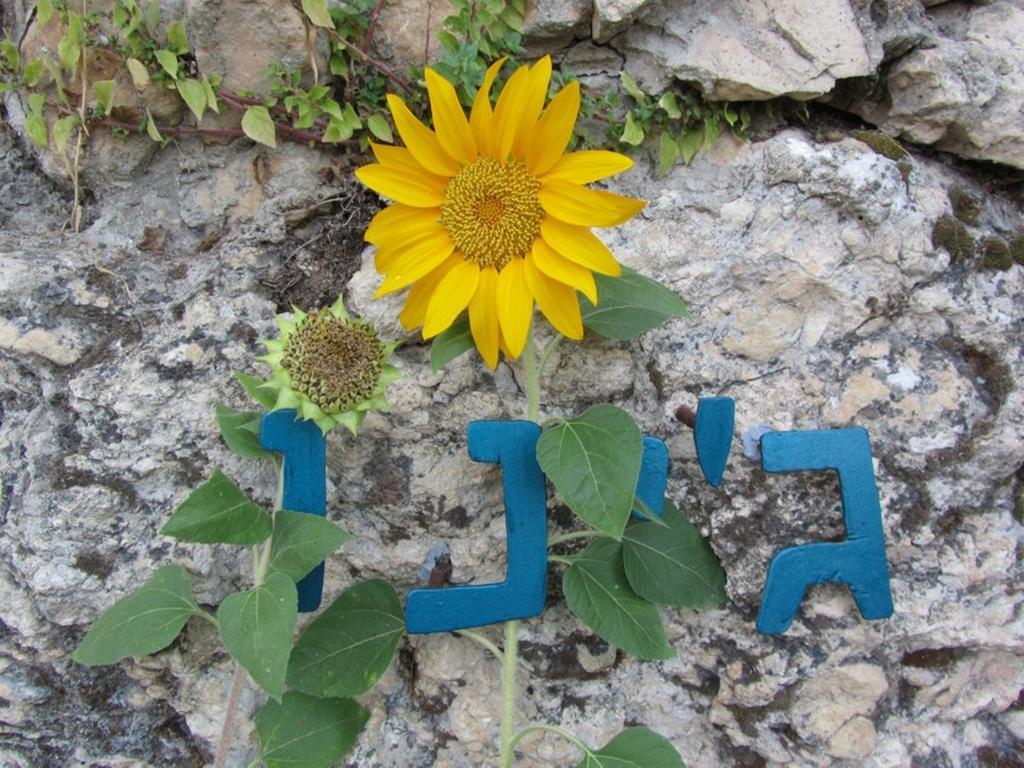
335 363
492 211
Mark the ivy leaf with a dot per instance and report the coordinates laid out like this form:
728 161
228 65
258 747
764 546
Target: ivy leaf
258 126
35 127
144 622
632 88
33 72
151 130
218 512
668 152
177 40
306 732
636 747
451 343
236 429
256 627
317 12
194 94
301 541
254 387
670 564
629 305
690 143
345 650
379 127
69 48
168 61
598 593
711 131
633 132
44 12
670 104
211 95
594 462
139 73
62 131
104 92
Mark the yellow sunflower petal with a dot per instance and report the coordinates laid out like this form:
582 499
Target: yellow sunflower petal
480 115
587 166
420 243
402 226
557 301
412 265
575 204
503 346
483 317
450 122
515 306
414 313
537 93
451 296
418 191
551 263
508 112
395 216
579 244
554 129
420 140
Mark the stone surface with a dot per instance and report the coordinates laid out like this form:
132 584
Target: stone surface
746 49
964 91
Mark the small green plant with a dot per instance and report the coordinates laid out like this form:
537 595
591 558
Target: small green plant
952 236
995 254
311 718
476 34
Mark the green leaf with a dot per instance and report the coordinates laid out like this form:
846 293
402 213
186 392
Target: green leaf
379 127
711 131
670 104
307 732
598 593
36 103
350 645
104 92
672 565
194 94
336 131
258 126
144 622
211 95
35 127
629 305
254 387
12 56
62 131
636 747
44 12
301 541
69 48
139 73
690 143
218 512
317 12
151 130
594 462
668 152
256 627
169 61
730 115
632 88
451 343
236 429
632 133
33 72
177 40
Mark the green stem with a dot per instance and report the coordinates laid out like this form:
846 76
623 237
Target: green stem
560 559
534 727
563 537
551 347
483 641
508 692
532 380
209 617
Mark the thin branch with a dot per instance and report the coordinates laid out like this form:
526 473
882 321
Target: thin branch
397 79
372 28
483 641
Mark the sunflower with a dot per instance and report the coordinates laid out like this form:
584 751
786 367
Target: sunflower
490 214
328 367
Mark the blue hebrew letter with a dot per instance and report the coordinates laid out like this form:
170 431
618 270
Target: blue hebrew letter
859 560
650 488
712 433
513 445
304 452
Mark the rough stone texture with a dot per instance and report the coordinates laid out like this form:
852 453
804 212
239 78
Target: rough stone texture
964 91
746 49
410 32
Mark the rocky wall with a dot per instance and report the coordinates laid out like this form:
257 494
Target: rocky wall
829 285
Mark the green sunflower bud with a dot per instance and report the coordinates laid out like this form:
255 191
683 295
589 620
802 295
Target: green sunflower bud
328 367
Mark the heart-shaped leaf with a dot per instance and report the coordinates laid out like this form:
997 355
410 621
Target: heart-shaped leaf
218 512
256 627
594 462
350 645
629 305
450 343
670 564
301 541
598 593
306 732
240 430
146 621
637 747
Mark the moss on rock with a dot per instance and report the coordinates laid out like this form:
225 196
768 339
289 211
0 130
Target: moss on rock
966 206
995 254
950 234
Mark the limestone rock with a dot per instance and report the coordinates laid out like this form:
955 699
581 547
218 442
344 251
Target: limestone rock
613 16
743 49
964 92
410 34
549 25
